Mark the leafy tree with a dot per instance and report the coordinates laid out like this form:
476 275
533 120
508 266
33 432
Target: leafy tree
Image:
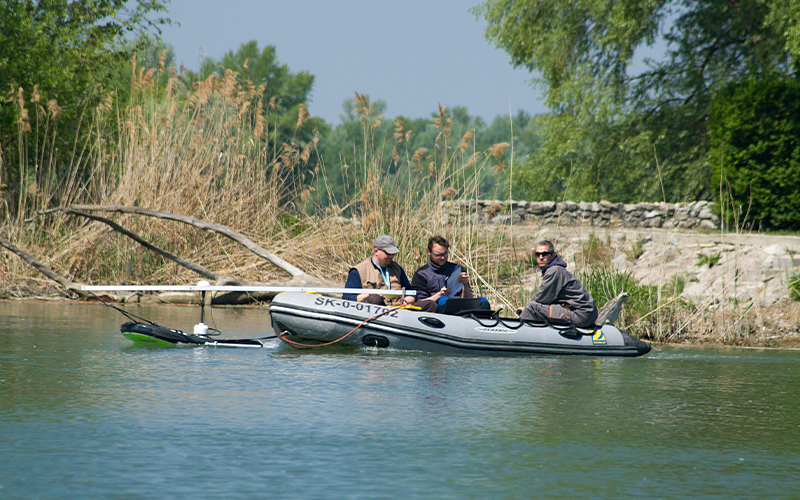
754 133
149 52
362 137
628 137
286 94
56 58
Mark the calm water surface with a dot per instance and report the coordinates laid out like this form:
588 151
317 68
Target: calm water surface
86 414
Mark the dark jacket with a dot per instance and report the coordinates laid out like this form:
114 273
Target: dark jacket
559 286
431 278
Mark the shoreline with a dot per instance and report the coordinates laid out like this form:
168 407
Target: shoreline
731 288
768 339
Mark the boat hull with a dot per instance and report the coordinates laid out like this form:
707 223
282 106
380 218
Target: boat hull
153 335
314 319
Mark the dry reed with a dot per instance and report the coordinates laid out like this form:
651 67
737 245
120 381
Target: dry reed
209 152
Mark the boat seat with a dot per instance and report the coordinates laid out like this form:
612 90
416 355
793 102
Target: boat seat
459 306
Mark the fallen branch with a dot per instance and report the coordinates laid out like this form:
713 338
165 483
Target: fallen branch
202 271
208 226
69 285
610 311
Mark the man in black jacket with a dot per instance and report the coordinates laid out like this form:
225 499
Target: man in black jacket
430 281
560 296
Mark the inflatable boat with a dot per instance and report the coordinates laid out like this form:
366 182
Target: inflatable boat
303 319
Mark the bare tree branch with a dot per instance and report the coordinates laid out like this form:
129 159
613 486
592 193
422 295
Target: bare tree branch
208 226
202 271
69 285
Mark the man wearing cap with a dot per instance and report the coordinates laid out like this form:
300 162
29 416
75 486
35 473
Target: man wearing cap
381 272
560 296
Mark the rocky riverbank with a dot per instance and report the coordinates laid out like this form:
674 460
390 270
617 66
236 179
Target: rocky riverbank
711 267
736 283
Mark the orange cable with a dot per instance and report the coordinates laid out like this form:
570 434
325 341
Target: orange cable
298 345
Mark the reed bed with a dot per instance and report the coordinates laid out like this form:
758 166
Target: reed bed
210 152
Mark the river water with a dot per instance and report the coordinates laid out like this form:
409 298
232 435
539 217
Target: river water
86 414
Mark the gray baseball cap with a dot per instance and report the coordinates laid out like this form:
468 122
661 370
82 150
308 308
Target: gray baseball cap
386 243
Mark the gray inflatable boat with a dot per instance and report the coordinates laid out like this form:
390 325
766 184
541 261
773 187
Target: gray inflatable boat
303 319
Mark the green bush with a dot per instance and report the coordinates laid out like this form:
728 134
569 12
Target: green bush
794 286
596 251
710 260
674 286
605 283
754 133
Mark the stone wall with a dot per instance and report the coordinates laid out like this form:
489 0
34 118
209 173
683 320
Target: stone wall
695 215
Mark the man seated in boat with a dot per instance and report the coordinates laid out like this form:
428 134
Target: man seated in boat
381 272
561 297
439 279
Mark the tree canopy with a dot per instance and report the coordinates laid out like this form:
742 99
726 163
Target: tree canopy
624 136
286 93
67 49
422 146
62 53
755 152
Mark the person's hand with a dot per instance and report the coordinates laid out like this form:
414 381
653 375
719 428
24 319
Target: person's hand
444 292
464 279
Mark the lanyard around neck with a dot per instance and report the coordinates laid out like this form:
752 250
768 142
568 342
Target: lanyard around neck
384 275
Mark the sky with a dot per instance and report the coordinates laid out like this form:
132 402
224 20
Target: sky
413 54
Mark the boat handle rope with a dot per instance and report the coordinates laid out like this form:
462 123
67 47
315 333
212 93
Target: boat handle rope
498 321
299 345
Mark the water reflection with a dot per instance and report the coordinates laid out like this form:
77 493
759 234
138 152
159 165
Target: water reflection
75 396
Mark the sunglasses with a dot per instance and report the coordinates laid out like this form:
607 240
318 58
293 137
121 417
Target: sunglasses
440 255
543 254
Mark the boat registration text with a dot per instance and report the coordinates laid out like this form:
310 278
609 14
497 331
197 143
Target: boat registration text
358 306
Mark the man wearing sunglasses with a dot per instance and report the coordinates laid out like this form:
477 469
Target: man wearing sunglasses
381 272
561 297
439 280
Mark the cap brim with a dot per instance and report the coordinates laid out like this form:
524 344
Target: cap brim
392 250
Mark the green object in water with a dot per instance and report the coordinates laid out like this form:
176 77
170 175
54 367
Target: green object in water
146 339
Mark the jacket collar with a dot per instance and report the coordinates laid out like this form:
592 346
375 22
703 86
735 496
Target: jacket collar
557 261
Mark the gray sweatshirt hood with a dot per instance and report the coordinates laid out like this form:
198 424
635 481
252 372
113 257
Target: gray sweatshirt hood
557 261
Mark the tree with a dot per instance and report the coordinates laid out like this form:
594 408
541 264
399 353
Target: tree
626 137
755 151
61 53
150 53
286 94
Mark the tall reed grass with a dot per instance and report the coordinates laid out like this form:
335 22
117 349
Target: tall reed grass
209 151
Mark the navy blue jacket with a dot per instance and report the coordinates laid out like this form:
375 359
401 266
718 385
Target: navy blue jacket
431 278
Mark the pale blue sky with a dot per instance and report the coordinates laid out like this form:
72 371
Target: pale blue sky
412 54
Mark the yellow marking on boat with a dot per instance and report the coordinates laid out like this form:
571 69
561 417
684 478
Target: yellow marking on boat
598 338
